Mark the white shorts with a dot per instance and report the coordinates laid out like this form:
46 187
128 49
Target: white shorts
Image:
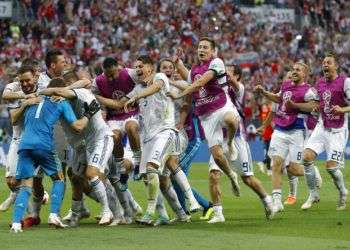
183 139
159 148
78 161
214 123
61 145
333 141
12 158
287 143
120 124
99 151
243 165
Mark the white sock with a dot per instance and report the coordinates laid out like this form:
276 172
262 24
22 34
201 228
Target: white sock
217 210
99 189
338 179
160 206
310 176
152 190
132 202
182 180
114 204
123 199
293 185
137 157
77 206
173 201
277 194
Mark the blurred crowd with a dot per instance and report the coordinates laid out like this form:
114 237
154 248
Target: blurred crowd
89 30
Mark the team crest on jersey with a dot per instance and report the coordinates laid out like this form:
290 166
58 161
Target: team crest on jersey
326 96
117 94
202 92
286 97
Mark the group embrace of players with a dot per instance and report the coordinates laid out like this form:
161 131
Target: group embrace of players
147 123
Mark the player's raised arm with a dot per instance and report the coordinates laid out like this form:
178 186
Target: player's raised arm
111 103
269 95
180 66
150 90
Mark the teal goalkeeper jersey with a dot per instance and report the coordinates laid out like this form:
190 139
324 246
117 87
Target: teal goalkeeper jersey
39 122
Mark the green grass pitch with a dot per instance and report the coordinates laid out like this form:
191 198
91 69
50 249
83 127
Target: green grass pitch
246 227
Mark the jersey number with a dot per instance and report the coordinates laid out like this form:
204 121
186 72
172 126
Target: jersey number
336 155
245 167
38 110
95 158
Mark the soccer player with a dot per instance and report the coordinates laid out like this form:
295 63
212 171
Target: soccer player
158 133
288 136
114 84
36 147
243 163
331 132
97 148
14 94
55 64
213 107
191 135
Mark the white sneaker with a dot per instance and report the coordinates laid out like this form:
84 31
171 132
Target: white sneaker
310 201
277 205
235 186
74 220
117 221
217 219
16 228
8 202
107 218
55 220
183 219
342 200
318 178
268 205
82 215
195 207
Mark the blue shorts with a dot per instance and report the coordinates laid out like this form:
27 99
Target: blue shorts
30 159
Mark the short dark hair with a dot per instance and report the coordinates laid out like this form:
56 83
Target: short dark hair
164 60
51 57
145 59
109 62
237 70
57 82
26 68
210 40
70 75
30 62
332 54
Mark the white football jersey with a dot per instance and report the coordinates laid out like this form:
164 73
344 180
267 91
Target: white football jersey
43 81
157 111
14 87
96 127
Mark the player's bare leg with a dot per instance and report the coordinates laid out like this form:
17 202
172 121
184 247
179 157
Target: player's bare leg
132 130
220 159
